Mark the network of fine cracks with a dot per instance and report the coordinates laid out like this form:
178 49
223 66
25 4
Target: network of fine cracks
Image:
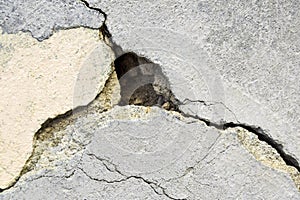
155 186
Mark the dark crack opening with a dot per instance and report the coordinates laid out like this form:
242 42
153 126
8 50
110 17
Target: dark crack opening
143 83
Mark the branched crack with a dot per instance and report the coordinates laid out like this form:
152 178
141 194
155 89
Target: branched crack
53 176
102 180
103 160
152 184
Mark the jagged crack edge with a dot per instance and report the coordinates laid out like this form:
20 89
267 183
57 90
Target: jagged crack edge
262 136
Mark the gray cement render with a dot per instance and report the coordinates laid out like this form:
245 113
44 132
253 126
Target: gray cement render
42 17
208 165
240 58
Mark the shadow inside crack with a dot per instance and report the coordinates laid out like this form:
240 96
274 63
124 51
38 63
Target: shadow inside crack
143 83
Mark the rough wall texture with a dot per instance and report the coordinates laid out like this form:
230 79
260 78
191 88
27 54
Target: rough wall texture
232 73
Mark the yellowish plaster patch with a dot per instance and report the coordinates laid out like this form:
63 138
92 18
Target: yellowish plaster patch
39 80
266 154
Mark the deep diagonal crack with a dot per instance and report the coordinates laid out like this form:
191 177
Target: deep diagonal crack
262 136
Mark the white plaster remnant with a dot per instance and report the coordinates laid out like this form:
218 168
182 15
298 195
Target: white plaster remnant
40 80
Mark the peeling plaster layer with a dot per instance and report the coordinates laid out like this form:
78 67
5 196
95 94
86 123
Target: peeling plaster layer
241 57
40 80
116 158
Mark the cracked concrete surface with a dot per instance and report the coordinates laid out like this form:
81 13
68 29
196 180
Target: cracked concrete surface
230 69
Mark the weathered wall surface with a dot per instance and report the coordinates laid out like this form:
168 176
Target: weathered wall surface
233 66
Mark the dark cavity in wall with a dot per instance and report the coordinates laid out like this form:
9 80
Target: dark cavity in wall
143 83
